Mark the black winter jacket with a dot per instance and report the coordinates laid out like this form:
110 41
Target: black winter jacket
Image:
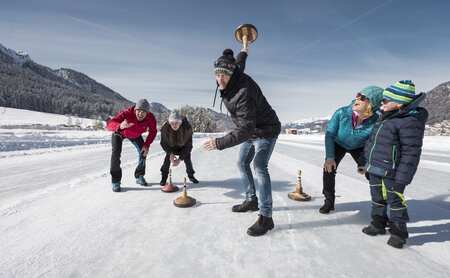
249 109
394 147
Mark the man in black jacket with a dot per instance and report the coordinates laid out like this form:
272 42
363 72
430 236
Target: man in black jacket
393 153
257 129
176 141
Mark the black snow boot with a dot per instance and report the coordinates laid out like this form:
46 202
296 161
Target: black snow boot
328 205
163 180
371 230
396 241
261 226
246 206
192 179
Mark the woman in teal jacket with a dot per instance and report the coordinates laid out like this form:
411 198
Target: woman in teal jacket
348 130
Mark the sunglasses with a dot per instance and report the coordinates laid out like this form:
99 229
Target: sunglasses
385 101
361 97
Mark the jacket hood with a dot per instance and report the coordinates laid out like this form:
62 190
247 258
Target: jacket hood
415 103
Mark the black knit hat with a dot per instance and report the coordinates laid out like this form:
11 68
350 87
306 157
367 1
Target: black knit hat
226 63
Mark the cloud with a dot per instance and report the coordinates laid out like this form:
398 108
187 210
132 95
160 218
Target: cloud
320 39
123 35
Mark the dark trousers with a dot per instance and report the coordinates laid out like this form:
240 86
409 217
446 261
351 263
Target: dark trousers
115 170
383 195
187 160
329 179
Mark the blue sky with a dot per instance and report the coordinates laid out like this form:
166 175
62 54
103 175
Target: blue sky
310 58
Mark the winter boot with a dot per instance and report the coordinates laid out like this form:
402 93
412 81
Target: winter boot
116 186
246 206
141 181
399 229
163 180
396 241
328 205
371 230
261 226
192 179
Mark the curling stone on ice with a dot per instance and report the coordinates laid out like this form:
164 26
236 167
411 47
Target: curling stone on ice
298 194
184 200
169 187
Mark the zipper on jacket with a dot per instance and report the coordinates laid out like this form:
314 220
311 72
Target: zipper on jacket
375 142
394 156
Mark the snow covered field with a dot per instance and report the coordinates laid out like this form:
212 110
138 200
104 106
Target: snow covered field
59 217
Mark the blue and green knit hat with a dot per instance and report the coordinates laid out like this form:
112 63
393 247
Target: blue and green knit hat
226 63
401 92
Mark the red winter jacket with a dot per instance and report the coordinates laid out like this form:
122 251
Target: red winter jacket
147 125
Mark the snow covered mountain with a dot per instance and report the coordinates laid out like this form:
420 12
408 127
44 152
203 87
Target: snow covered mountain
437 103
29 85
86 83
13 57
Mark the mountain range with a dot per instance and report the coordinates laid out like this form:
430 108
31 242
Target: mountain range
437 103
26 84
29 85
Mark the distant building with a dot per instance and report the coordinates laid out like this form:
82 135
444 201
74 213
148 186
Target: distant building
291 131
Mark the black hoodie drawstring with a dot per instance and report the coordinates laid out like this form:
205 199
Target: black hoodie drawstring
221 101
215 95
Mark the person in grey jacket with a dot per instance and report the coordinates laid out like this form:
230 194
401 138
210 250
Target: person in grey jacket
257 130
393 154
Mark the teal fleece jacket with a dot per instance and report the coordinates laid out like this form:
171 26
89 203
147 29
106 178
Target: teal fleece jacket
341 130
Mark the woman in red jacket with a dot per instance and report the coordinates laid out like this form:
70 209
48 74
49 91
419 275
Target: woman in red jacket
130 124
